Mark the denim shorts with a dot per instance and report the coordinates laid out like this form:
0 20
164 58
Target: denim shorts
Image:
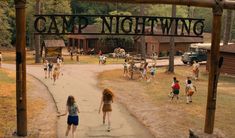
73 120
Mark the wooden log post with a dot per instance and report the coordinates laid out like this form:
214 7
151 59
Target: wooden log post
37 37
213 68
21 108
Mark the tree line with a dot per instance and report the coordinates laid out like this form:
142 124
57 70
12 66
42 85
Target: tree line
7 15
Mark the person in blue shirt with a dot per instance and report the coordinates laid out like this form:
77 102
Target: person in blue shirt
73 118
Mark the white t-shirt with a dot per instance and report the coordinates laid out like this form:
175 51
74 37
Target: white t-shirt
100 58
196 66
190 87
125 64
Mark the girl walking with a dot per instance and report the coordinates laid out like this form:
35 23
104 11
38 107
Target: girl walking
190 89
196 66
125 70
176 90
45 67
144 73
55 74
152 71
73 119
50 67
106 101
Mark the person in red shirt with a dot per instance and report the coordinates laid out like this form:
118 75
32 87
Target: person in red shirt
100 53
176 90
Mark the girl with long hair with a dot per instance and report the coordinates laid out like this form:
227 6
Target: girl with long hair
73 119
106 101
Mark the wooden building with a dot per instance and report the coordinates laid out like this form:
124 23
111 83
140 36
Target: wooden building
52 49
228 52
86 43
153 44
161 44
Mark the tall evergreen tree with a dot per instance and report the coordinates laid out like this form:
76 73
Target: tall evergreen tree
172 43
5 39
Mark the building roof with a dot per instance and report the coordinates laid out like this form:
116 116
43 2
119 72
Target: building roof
90 28
165 39
54 43
160 39
228 49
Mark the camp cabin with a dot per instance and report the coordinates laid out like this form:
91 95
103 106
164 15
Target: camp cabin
228 53
51 49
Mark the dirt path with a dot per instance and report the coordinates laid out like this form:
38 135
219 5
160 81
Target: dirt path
41 123
81 82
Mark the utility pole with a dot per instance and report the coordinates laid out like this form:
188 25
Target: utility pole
21 109
172 42
142 38
37 37
214 68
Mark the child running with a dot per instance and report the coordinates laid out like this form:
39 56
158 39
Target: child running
73 118
176 90
125 70
106 101
190 89
55 74
173 83
45 67
153 71
50 67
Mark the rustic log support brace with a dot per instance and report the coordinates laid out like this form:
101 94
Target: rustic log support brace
218 7
214 67
21 107
20 4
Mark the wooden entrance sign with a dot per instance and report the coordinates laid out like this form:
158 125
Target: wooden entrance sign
119 25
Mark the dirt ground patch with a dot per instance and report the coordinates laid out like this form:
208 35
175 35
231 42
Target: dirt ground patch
41 108
151 105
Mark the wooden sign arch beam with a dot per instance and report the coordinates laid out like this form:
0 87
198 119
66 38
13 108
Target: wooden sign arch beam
226 4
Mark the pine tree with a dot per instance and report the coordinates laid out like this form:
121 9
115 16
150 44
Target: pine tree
5 39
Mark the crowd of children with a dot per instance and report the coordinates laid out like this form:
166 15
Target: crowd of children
144 69
52 70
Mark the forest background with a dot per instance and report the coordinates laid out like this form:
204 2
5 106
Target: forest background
7 15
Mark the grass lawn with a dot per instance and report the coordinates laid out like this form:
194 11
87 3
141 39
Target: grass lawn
150 103
9 57
8 104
